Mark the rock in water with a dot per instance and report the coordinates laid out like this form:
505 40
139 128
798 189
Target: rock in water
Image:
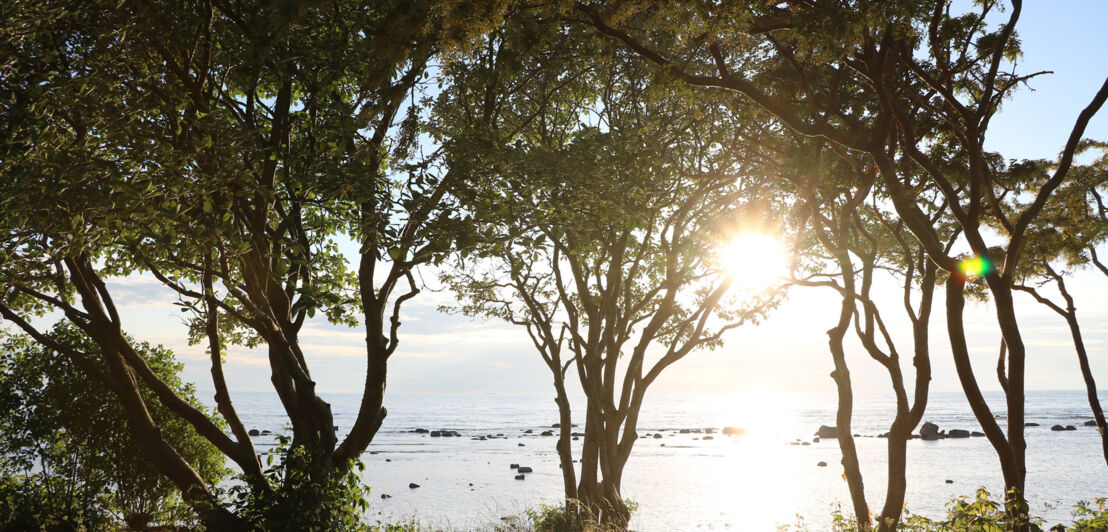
1057 428
733 431
521 477
524 469
255 432
827 432
957 433
929 431
514 466
412 485
657 436
1090 423
822 464
1031 424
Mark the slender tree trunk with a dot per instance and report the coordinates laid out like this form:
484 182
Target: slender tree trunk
1090 383
564 447
588 493
1006 318
1013 473
894 494
853 472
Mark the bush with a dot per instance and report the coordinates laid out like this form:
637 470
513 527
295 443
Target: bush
302 498
67 459
983 514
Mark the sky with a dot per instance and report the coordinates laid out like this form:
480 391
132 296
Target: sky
788 351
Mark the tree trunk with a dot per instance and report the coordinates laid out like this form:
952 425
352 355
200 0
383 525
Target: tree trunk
588 492
897 484
1013 476
565 451
1009 328
1090 383
851 469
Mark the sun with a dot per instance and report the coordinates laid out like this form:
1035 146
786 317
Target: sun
754 261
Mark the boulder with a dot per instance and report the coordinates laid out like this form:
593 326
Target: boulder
412 485
976 434
513 466
421 431
815 440
1070 427
255 432
733 431
657 436
685 431
804 443
575 438
822 464
524 469
266 433
826 431
1057 428
709 431
1090 423
556 425
708 438
957 433
948 481
386 496
522 445
521 477
1031 424
528 431
929 432
547 433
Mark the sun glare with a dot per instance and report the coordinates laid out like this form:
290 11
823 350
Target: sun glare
755 261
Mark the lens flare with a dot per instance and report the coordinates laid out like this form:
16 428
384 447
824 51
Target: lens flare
974 267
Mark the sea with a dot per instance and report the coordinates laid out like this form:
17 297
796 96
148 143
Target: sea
773 475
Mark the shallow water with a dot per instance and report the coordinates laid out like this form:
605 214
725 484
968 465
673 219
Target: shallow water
683 482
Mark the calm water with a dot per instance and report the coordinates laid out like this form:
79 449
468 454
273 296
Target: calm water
683 482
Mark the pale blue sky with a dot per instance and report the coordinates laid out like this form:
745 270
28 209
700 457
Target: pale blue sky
788 351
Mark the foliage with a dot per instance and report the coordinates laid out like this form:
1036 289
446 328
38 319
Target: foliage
301 500
67 456
982 513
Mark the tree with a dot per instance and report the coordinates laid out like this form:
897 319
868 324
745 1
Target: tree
922 78
599 231
851 243
1068 231
67 453
223 149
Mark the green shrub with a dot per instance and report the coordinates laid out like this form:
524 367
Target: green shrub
983 514
303 497
67 459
